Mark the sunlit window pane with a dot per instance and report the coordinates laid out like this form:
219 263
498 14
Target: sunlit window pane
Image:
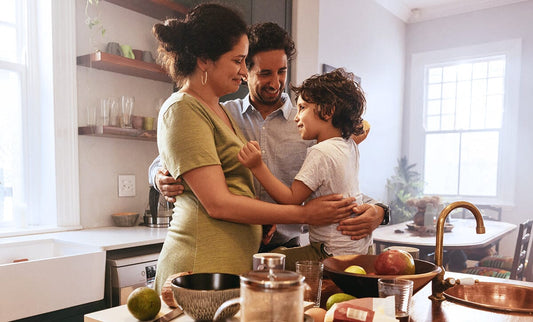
464 72
479 164
464 89
479 87
495 86
8 39
448 90
449 74
434 75
433 107
497 68
479 70
448 106
494 111
467 100
447 122
434 91
441 164
9 115
463 114
7 11
433 123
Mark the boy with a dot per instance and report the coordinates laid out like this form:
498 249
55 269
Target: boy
330 107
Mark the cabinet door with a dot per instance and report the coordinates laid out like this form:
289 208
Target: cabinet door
278 11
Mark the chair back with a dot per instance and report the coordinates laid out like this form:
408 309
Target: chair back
520 253
528 272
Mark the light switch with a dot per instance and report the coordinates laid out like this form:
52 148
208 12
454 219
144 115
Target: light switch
126 185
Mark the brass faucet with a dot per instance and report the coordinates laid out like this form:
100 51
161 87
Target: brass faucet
439 284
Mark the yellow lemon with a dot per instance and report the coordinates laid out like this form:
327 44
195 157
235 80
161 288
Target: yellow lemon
355 269
337 298
144 303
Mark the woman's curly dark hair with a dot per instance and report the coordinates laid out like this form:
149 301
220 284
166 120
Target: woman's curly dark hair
336 91
208 31
268 36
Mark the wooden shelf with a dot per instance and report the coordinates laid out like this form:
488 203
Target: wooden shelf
159 9
118 133
123 65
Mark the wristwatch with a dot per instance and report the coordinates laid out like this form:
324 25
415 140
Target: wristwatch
386 215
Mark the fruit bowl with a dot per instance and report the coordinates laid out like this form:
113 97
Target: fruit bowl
366 285
200 294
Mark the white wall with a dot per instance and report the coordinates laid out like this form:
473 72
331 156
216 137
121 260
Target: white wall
490 25
369 41
103 159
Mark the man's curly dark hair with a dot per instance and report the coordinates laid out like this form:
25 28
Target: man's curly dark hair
268 36
336 91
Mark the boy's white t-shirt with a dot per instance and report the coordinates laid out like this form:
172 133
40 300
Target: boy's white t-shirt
332 166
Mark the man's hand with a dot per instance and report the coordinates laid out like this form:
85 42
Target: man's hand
167 295
268 233
369 218
250 155
328 209
168 186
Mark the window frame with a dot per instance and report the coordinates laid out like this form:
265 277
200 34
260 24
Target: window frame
51 88
415 143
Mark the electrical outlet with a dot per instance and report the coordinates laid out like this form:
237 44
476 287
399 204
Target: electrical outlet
126 186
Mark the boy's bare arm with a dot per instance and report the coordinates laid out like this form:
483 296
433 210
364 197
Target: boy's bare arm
250 157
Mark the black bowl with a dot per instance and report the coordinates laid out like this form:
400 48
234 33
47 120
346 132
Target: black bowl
200 294
366 285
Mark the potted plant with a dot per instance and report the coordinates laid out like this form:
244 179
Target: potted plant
405 184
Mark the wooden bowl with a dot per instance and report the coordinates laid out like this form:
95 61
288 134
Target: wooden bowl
125 219
366 285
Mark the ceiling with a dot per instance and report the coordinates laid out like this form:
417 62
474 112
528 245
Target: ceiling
421 10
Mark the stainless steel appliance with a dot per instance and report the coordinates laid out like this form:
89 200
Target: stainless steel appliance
128 269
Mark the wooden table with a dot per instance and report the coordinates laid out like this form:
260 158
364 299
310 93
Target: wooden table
462 236
424 310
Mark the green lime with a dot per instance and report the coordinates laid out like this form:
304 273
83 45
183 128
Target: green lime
337 298
144 303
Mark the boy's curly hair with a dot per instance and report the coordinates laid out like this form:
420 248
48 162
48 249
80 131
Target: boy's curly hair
336 92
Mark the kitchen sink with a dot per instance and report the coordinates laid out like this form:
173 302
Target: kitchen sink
493 296
43 275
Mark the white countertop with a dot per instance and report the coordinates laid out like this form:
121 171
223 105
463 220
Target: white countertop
106 238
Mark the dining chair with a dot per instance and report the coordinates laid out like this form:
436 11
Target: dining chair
509 267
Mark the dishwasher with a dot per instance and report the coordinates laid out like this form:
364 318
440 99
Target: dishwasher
128 269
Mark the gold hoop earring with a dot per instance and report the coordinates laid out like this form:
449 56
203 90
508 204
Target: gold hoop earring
204 81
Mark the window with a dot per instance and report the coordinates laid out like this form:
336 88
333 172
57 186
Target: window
38 142
462 119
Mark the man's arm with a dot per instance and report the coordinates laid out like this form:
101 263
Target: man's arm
370 216
162 181
152 172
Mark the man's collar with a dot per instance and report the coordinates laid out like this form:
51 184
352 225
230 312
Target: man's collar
285 108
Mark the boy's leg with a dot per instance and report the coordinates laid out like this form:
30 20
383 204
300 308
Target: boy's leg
313 251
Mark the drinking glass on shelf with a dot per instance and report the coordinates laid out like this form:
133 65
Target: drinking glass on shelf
91 115
127 111
105 108
113 111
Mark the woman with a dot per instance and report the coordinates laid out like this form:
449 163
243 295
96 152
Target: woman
216 223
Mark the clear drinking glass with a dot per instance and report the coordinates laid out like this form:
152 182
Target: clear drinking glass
312 271
127 111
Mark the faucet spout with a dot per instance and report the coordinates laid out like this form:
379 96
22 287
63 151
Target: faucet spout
439 285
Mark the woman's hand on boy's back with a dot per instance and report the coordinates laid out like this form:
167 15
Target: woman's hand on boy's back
328 209
250 155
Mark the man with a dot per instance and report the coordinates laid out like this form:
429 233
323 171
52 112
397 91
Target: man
266 115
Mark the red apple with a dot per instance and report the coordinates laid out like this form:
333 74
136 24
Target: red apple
394 262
